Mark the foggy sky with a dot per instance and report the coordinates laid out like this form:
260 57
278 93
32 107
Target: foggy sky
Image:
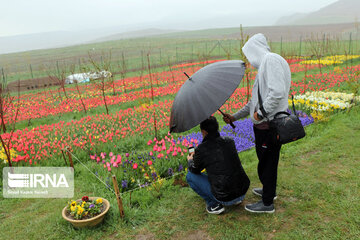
34 16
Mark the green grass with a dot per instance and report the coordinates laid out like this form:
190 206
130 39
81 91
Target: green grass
318 195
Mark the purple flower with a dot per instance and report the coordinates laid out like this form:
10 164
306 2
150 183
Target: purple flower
180 168
243 134
91 206
124 184
170 171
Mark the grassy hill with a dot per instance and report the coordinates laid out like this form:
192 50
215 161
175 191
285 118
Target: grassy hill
342 11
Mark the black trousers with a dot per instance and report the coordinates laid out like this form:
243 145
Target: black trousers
268 153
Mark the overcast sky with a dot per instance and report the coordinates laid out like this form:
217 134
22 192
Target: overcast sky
34 16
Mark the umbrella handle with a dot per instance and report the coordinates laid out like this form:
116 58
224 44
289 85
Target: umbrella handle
186 75
231 123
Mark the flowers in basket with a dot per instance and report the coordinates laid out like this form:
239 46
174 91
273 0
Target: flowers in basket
85 208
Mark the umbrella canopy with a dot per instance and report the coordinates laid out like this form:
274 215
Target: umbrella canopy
204 93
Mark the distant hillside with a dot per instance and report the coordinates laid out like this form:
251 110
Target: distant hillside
45 40
274 33
135 34
342 11
27 42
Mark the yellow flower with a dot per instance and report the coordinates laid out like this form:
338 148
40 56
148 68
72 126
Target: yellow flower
73 203
83 204
72 208
99 200
80 210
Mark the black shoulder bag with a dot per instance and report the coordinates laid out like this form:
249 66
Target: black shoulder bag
287 126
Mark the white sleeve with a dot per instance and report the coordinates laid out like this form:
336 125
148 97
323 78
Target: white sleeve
243 112
275 80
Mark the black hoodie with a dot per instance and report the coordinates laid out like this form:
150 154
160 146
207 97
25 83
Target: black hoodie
226 175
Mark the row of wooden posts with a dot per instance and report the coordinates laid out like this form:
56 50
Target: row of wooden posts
115 183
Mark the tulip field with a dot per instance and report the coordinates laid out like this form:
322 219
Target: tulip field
152 97
133 141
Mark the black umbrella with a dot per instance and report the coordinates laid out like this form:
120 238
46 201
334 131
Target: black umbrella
204 93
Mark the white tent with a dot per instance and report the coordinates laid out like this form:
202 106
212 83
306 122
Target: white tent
86 77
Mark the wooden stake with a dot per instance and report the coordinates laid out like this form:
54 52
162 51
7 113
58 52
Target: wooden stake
70 159
62 151
118 198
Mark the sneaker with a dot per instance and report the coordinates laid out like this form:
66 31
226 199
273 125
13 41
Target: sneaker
259 192
217 209
259 207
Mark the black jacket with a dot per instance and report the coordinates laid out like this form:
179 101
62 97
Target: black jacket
226 175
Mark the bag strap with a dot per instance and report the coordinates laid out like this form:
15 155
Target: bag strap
293 105
264 113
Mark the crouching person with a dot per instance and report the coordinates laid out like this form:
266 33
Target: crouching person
226 182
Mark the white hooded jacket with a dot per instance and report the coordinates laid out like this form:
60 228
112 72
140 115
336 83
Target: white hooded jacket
274 79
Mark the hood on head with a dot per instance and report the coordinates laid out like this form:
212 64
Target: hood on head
255 49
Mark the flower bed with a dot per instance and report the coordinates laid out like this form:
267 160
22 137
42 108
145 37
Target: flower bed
168 156
243 134
164 158
321 104
326 101
331 60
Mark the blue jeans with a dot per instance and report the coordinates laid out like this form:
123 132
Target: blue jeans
200 184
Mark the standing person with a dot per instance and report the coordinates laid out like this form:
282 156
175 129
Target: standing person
226 181
273 82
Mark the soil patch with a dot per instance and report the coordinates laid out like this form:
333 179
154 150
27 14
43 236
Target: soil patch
195 235
32 84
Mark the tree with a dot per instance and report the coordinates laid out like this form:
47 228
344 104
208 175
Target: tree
59 76
101 70
9 112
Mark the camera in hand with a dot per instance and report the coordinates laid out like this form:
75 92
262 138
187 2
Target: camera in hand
191 149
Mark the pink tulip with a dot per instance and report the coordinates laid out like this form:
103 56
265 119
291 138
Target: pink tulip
118 159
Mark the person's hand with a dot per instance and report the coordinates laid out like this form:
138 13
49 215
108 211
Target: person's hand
257 117
228 118
190 156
